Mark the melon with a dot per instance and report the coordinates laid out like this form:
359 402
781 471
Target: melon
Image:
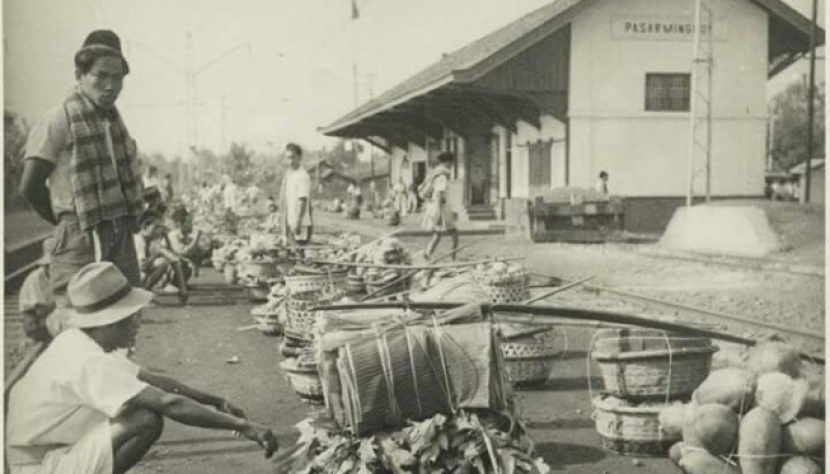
713 427
676 452
673 417
805 436
779 393
800 465
760 440
733 387
697 461
774 356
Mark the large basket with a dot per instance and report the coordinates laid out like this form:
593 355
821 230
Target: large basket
662 365
529 359
305 381
305 283
631 430
259 269
300 317
499 292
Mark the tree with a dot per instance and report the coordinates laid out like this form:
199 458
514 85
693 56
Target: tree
789 144
239 164
15 133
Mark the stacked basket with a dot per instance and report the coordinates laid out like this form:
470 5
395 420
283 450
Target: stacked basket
301 372
643 370
528 353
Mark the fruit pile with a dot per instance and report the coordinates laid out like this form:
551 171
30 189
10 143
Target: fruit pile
763 416
501 274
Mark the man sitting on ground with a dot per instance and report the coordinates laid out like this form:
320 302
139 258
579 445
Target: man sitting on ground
85 408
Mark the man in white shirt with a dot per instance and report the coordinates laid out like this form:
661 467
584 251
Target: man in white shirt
230 194
298 221
83 407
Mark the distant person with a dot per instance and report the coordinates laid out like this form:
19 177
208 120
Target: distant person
167 188
83 150
85 408
602 183
41 321
159 264
186 242
298 221
412 196
230 193
151 179
778 190
438 216
400 196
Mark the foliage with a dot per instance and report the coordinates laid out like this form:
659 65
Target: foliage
790 134
15 133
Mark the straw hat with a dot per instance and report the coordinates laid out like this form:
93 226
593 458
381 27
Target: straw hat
101 295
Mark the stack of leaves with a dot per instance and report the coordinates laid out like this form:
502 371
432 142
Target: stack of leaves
467 442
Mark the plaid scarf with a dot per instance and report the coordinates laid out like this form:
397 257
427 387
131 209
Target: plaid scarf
102 192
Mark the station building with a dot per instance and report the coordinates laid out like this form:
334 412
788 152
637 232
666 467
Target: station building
582 86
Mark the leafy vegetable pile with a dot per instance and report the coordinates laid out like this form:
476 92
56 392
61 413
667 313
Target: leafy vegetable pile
468 442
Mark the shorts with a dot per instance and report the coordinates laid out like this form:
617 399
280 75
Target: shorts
74 249
92 454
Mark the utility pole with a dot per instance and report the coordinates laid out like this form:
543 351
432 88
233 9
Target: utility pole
811 115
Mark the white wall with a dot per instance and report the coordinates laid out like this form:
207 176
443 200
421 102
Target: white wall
551 129
646 153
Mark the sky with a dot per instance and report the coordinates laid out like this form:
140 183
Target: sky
267 71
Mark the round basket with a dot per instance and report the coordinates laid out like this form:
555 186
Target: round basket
290 347
305 381
652 370
306 283
262 269
355 284
529 359
631 430
257 293
513 293
300 317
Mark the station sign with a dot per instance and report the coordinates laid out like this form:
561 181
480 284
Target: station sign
678 28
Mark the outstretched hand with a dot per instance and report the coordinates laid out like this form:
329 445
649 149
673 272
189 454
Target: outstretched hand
264 437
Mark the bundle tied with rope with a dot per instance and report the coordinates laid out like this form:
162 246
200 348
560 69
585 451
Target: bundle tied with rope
382 368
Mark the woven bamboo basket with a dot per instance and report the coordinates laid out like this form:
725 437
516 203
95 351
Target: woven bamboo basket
513 292
305 283
291 346
305 381
651 364
529 359
355 284
300 317
259 269
631 430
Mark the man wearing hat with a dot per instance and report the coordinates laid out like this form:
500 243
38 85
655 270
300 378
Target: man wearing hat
83 407
83 150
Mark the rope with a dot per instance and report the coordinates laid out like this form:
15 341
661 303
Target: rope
448 388
414 372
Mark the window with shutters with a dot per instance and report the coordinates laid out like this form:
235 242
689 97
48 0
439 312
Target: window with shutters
668 92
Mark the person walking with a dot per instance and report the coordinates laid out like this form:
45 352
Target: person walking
438 216
82 148
400 197
602 183
298 222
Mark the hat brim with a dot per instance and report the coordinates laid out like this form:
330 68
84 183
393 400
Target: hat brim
134 301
